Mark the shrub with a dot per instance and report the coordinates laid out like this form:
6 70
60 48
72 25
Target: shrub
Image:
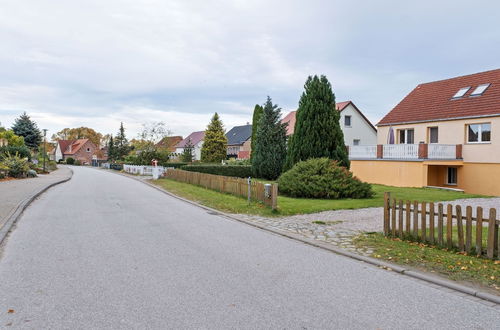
174 165
77 162
14 165
31 174
22 151
240 171
322 178
70 161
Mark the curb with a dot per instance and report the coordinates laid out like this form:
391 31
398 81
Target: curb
326 246
14 216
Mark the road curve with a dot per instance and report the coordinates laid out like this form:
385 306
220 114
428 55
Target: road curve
103 251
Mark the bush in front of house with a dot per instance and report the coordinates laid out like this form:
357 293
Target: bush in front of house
240 171
322 178
172 164
14 165
77 162
70 161
22 151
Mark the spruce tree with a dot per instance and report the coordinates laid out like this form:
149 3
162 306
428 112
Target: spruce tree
25 127
187 153
270 143
317 130
257 113
214 148
122 147
111 149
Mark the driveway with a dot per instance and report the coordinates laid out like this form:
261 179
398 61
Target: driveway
105 251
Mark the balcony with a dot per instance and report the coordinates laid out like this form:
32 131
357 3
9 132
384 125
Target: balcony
420 151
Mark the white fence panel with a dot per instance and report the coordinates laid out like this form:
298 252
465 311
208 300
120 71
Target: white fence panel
363 152
442 151
401 151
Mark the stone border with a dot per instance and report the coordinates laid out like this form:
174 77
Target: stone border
14 216
326 246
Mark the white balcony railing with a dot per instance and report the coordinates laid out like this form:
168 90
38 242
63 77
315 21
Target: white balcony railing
442 151
400 151
363 152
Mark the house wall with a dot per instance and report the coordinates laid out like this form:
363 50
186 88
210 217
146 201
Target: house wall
197 150
454 132
391 173
247 146
84 156
58 154
359 129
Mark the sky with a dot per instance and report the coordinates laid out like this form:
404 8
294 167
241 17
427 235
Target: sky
97 63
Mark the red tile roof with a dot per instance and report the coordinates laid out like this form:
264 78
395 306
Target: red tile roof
290 118
170 142
75 146
434 101
195 138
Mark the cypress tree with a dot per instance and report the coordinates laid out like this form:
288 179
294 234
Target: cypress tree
214 148
187 153
270 143
257 113
317 130
25 127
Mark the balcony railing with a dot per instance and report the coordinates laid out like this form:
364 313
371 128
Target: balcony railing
407 151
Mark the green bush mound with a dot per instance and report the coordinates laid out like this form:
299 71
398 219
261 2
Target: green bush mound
322 178
70 160
22 152
15 166
172 164
239 171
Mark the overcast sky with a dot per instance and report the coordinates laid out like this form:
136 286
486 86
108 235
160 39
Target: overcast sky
95 63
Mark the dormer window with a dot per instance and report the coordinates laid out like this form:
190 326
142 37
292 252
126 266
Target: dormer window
480 90
461 92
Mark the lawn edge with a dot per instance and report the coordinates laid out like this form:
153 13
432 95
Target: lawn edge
449 284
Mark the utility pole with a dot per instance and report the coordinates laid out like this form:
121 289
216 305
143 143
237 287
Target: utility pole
44 150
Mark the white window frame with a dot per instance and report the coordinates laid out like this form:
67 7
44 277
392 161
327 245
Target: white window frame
430 135
448 176
350 121
479 133
406 135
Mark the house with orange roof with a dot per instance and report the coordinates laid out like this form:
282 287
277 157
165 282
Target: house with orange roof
442 134
82 150
357 129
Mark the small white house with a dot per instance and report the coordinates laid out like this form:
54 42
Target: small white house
196 139
357 129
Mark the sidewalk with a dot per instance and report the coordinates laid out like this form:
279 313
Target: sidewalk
13 193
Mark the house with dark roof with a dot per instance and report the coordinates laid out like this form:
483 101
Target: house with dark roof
238 142
357 129
82 150
196 139
442 134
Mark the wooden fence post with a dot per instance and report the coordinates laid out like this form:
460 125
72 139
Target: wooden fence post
400 224
492 233
415 219
387 201
468 229
449 226
460 228
431 223
408 218
424 221
393 217
479 230
274 196
440 224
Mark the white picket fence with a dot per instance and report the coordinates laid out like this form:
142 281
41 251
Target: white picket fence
400 151
143 170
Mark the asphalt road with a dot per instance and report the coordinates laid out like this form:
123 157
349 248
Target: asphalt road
103 251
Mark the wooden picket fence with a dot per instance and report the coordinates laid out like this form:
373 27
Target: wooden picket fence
234 186
430 223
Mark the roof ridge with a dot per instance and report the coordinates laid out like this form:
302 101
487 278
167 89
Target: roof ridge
462 76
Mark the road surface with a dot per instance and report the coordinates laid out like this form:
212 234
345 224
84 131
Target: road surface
103 251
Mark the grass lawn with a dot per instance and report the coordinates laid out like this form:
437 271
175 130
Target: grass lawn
451 264
291 206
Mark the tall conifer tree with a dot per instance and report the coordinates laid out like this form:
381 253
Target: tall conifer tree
270 143
317 130
25 127
214 148
187 152
257 113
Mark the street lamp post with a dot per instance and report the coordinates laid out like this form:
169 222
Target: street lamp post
44 150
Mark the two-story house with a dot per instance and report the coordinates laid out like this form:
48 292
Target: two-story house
444 133
357 129
239 141
82 150
196 139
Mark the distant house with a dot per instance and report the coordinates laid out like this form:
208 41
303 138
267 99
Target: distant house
444 133
196 140
169 142
82 150
357 129
239 141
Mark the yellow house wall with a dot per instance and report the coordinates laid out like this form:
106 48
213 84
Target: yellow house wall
454 132
480 178
391 173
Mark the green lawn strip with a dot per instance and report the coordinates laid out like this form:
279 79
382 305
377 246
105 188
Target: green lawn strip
214 199
451 264
291 206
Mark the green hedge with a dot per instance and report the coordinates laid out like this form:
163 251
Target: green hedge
174 165
23 151
240 171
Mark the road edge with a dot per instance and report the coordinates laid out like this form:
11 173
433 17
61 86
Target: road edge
19 209
448 284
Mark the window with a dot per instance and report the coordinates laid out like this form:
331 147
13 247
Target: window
347 121
480 90
88 149
451 178
461 92
433 135
479 133
355 142
406 136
